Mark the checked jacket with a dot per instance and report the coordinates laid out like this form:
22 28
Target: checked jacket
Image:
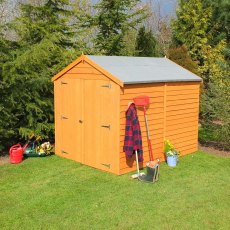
133 140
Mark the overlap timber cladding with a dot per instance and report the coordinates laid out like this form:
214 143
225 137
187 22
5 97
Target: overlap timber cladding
172 114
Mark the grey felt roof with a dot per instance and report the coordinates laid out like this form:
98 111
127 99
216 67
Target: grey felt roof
133 70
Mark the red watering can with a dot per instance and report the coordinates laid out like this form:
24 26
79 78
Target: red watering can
16 153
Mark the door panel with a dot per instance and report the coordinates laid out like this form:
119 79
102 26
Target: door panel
91 121
110 105
104 160
70 117
98 127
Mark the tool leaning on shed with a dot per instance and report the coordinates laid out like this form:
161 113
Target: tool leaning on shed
133 141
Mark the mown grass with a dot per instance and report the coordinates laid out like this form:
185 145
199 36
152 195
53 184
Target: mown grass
56 193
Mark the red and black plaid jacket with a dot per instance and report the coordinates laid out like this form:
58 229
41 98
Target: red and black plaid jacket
133 140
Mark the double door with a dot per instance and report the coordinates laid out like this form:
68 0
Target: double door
87 131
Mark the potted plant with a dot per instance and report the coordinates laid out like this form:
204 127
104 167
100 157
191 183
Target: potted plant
171 153
44 149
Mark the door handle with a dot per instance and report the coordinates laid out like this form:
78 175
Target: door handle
63 117
81 121
106 126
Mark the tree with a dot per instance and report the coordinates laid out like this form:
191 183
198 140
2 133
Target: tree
220 22
6 118
215 110
129 43
164 37
181 56
44 46
193 28
114 18
145 43
160 25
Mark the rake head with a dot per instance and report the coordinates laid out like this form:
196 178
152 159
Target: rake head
141 101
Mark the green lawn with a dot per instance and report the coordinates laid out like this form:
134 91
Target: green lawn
55 193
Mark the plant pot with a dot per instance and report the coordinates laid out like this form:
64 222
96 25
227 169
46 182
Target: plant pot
172 161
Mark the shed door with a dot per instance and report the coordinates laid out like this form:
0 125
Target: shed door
98 124
71 116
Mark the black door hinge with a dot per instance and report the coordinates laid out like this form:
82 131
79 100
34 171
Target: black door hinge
106 165
107 86
106 126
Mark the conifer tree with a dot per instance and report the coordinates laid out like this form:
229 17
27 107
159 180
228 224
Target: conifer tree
145 43
220 22
7 121
114 18
191 27
44 46
181 56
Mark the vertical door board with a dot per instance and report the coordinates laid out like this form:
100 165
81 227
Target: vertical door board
71 114
58 109
91 122
104 160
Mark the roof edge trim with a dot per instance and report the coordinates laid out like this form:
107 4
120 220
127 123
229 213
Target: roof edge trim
184 69
162 81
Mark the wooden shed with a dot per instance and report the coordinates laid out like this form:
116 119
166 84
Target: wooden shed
91 97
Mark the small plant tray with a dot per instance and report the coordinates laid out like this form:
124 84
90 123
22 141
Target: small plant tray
35 150
31 152
34 154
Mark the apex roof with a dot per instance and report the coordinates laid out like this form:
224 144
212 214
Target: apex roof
133 70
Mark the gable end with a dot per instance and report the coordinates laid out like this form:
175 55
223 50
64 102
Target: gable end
84 59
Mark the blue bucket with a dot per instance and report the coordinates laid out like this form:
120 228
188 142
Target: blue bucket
172 161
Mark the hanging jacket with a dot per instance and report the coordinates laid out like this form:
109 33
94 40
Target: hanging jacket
133 140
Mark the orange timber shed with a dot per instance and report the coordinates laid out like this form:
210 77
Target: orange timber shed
91 97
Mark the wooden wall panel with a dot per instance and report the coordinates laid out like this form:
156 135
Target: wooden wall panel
143 88
155 114
173 114
84 71
85 76
182 107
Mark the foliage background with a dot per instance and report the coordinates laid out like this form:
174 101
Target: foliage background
39 38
